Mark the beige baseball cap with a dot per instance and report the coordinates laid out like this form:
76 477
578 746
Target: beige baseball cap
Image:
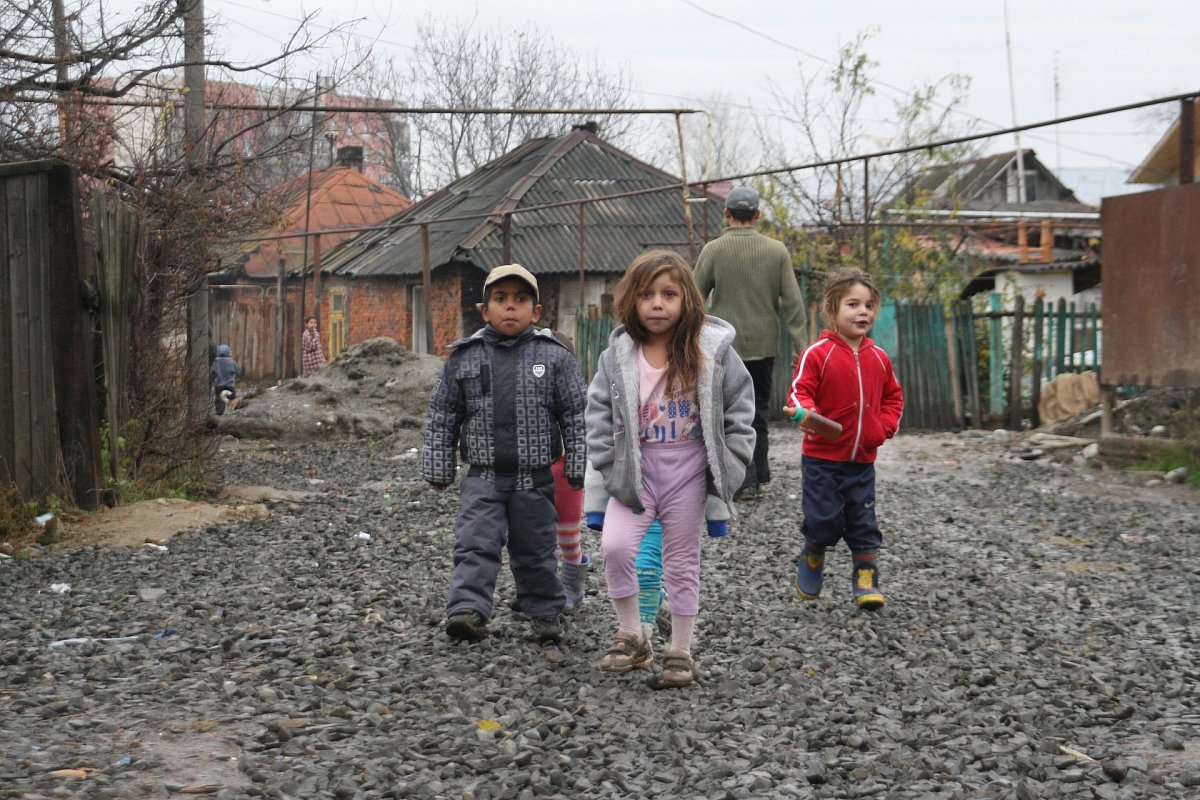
512 271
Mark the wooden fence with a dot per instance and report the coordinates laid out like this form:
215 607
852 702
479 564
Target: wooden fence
49 434
959 367
1007 354
246 317
119 241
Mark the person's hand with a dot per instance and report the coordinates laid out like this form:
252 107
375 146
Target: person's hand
595 520
441 487
718 528
795 361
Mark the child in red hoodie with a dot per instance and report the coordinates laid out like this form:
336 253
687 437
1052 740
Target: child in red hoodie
847 378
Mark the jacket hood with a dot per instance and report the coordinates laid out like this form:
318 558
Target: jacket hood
716 336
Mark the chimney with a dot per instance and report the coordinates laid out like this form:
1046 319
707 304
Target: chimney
350 157
591 127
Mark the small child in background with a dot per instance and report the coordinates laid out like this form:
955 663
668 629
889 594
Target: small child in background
223 378
312 352
668 422
846 377
568 503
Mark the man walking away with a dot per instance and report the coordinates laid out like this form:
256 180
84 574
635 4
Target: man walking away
750 279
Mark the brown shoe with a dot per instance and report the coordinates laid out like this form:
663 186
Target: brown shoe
627 653
678 670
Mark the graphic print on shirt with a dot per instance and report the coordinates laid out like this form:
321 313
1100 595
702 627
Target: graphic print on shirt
662 419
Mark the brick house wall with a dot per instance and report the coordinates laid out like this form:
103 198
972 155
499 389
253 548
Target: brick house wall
383 306
379 307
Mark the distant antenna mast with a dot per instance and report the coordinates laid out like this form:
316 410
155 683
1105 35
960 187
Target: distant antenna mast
1057 142
1012 99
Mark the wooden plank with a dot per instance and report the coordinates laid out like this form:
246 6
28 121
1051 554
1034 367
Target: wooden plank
41 353
947 416
70 327
18 256
995 359
1016 363
965 333
1038 323
1072 340
8 419
953 368
1060 337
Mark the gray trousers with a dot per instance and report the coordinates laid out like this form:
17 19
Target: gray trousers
526 521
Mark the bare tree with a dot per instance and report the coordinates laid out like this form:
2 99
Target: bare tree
827 122
460 66
821 210
718 142
384 79
102 92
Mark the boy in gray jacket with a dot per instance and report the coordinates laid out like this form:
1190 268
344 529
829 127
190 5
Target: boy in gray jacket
512 398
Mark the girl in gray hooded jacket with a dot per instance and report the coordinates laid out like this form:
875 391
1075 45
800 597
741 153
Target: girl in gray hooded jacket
668 424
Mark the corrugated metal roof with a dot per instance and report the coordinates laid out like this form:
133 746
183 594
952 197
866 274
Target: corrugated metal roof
962 185
576 166
342 197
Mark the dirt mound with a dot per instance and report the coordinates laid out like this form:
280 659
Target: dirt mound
372 390
1166 412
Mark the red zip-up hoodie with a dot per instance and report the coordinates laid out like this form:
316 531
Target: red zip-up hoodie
857 389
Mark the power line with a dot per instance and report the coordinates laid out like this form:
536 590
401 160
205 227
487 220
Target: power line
419 49
704 184
878 82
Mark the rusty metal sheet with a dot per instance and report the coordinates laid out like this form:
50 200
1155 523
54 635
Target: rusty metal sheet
1151 307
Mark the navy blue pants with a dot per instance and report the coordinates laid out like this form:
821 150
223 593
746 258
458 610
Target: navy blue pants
838 501
525 520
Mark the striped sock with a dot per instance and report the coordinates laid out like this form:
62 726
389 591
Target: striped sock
867 558
569 543
649 593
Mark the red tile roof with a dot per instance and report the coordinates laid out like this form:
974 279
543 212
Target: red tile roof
342 197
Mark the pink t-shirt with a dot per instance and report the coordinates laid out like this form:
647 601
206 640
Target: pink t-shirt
661 420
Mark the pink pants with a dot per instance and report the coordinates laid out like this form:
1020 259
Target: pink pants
674 488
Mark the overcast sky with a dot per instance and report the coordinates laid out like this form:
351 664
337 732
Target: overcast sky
1104 52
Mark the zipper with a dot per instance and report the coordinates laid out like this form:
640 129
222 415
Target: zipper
858 431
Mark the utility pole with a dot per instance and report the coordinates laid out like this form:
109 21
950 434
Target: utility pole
61 71
193 80
1012 100
193 153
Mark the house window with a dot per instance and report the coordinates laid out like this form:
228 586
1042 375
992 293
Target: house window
339 321
418 337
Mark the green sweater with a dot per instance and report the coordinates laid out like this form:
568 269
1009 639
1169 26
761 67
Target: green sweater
750 277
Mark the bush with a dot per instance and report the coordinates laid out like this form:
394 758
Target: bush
16 517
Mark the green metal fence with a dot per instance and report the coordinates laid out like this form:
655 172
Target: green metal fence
592 330
958 367
1005 355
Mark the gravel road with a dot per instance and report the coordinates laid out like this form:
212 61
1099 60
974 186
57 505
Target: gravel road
1039 641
